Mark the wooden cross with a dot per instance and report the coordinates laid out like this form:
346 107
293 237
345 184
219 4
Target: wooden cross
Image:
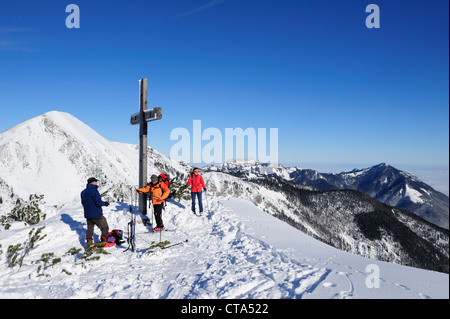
142 118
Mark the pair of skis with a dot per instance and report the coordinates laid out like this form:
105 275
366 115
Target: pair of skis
131 226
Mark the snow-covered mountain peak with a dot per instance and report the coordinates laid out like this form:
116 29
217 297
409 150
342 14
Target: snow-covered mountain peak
54 154
33 156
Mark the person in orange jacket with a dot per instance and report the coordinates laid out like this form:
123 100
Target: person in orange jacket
158 191
197 186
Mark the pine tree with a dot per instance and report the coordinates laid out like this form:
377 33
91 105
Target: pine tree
179 189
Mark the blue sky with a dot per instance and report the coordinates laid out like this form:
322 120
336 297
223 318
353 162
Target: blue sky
337 91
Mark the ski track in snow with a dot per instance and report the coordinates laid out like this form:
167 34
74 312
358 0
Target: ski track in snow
224 258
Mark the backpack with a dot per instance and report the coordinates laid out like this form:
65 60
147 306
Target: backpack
163 178
115 236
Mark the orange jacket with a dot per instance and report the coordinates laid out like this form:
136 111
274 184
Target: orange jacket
159 190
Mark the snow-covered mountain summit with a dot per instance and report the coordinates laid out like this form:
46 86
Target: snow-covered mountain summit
55 153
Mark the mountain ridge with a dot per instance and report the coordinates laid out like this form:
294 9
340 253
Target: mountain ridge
383 182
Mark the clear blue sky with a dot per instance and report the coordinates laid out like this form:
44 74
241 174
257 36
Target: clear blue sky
337 91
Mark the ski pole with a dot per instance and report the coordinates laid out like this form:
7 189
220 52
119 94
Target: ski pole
206 197
207 203
151 213
134 225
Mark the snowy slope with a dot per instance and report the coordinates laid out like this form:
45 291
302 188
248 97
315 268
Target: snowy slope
55 153
234 251
346 219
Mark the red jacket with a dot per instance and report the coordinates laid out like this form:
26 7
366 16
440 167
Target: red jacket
196 182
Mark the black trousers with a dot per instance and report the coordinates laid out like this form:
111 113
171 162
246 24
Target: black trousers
158 209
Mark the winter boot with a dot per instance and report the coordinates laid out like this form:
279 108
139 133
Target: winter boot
102 242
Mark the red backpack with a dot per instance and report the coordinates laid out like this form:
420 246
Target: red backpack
163 178
115 236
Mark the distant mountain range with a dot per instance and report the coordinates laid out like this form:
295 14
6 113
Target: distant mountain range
381 182
54 154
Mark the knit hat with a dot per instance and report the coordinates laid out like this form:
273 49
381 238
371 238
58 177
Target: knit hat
91 180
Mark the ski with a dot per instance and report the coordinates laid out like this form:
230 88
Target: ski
132 227
173 245
158 231
103 245
131 237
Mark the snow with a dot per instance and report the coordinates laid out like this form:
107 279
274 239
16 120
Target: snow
234 251
414 195
355 173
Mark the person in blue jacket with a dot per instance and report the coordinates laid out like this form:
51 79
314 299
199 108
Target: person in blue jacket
92 205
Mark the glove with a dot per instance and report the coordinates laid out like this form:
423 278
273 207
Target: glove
204 189
106 204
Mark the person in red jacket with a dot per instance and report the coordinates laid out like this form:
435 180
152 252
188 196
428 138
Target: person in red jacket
197 186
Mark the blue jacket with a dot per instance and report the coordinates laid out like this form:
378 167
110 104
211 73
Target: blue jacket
92 202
